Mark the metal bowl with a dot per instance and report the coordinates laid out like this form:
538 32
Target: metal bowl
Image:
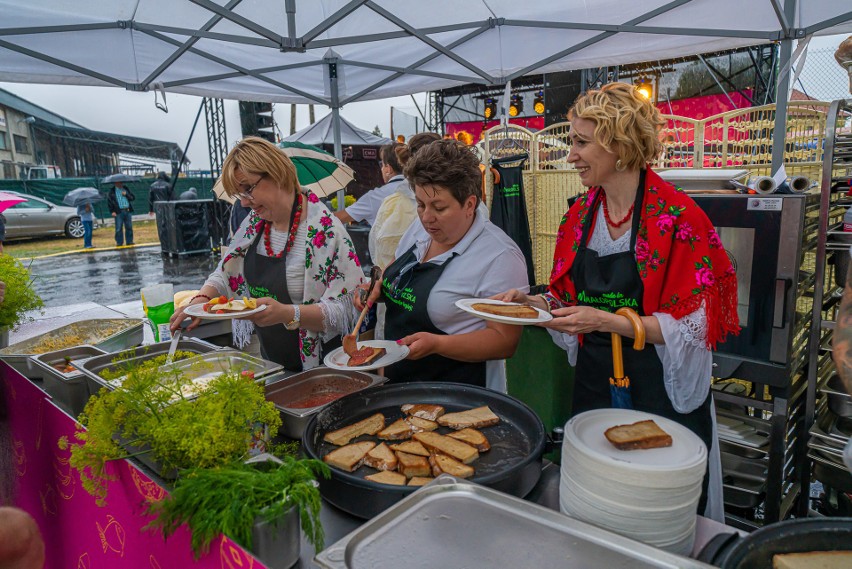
839 401
300 396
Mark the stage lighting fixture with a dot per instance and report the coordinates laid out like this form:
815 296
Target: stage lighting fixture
516 105
645 87
490 108
538 103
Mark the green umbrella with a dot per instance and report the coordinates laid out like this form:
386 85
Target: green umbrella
317 170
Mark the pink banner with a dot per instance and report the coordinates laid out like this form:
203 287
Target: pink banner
78 534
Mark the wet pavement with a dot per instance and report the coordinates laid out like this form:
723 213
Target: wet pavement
115 276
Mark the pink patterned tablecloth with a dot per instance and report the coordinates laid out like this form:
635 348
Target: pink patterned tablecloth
79 534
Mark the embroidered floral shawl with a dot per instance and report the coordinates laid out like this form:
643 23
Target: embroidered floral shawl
332 268
679 255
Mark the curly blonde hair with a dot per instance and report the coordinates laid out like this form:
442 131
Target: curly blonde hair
255 155
626 123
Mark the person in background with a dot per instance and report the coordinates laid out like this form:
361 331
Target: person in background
161 191
21 544
120 205
290 253
368 205
453 252
190 194
87 216
633 240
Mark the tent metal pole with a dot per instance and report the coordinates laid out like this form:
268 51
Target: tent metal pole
782 93
335 122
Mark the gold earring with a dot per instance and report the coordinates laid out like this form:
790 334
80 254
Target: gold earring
619 165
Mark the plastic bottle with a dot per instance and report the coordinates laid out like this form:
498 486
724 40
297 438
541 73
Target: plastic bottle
158 302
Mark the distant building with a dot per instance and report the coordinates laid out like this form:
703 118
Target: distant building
32 136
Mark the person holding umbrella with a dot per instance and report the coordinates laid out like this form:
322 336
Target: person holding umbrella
120 204
634 241
82 199
290 253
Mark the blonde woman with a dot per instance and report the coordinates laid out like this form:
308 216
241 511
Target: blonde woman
290 253
634 240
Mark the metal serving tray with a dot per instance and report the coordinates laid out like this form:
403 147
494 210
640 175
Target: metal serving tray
100 333
451 523
744 480
839 401
70 391
92 368
301 386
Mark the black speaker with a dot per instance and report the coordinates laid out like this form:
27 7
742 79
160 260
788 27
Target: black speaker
560 91
184 226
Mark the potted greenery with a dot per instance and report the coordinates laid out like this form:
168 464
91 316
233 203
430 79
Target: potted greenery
257 504
19 298
177 426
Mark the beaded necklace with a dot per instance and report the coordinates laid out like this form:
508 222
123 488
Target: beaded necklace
294 227
610 221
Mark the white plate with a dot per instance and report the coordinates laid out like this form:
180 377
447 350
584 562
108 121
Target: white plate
587 433
197 311
337 359
466 305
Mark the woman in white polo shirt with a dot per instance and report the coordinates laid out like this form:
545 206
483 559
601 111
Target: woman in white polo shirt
454 252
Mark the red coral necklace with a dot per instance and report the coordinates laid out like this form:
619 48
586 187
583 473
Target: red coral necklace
294 228
610 221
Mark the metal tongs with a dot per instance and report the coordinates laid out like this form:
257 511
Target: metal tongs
350 341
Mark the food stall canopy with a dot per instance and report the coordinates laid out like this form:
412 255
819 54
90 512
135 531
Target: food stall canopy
335 52
320 133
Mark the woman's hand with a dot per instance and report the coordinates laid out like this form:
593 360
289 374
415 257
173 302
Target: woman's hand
179 316
420 345
275 313
579 320
371 300
513 295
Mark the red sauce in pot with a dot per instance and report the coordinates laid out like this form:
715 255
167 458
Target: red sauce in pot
315 400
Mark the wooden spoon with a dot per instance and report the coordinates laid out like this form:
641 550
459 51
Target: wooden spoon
350 341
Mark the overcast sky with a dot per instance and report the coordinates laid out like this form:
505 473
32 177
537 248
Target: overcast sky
114 110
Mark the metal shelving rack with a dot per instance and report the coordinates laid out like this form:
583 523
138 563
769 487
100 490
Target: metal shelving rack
837 168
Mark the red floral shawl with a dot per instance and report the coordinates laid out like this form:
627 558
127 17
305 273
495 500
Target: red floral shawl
679 256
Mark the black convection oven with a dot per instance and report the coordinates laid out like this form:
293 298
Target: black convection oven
771 242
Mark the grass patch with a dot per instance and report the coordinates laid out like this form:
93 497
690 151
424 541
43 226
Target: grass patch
143 232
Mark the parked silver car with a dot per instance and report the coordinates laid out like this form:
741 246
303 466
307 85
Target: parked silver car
37 217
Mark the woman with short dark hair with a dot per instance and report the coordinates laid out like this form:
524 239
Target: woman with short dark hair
452 253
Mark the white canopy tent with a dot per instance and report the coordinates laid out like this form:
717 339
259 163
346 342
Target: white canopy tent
334 52
322 132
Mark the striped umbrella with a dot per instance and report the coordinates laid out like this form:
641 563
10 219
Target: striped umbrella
317 170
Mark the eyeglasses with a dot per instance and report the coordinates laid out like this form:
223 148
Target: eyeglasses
246 193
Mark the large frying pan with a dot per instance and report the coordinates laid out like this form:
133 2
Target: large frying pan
755 550
513 465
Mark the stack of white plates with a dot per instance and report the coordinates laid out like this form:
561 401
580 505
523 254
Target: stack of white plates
650 495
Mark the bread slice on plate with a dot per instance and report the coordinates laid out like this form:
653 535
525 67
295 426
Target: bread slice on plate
349 457
813 560
442 463
411 447
446 445
369 426
428 412
420 480
419 425
640 435
387 477
364 356
476 418
472 437
381 458
412 465
397 431
510 310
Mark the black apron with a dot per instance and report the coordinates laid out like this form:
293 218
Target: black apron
406 293
608 283
509 207
267 276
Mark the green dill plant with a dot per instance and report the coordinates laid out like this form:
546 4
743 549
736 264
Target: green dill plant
231 499
20 295
150 411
